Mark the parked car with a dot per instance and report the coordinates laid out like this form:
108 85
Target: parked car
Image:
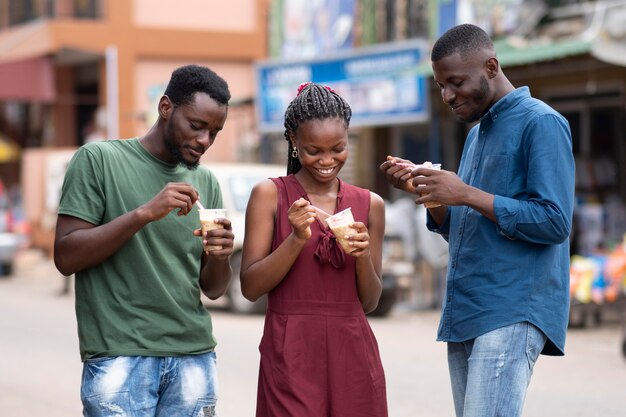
9 241
236 181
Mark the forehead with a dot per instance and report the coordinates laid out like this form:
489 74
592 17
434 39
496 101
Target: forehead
204 108
457 65
321 130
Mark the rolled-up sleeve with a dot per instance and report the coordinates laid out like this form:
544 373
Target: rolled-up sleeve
443 229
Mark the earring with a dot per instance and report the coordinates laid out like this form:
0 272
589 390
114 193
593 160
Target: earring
294 153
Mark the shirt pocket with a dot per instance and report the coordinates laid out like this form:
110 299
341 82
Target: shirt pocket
495 175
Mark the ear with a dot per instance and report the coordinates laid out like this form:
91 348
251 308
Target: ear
492 67
165 107
292 139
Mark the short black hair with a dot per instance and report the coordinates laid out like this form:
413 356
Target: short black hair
464 39
190 79
313 102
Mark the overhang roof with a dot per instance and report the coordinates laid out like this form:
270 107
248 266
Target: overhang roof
27 59
30 79
512 52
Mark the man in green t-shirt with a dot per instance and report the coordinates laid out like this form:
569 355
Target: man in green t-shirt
128 229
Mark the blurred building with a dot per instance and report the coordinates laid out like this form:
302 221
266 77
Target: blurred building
78 70
572 55
72 71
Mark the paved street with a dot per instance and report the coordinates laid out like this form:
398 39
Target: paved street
40 367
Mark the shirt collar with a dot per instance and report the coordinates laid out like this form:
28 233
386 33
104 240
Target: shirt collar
508 101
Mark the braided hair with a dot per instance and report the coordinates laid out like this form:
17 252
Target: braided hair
313 102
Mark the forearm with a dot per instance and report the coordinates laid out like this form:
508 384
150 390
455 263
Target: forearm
264 275
369 283
439 214
86 248
215 277
480 201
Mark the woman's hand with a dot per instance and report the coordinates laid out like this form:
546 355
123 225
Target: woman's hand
359 241
301 215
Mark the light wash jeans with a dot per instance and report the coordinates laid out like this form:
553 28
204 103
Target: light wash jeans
490 374
146 386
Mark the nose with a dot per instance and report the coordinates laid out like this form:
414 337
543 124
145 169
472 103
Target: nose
327 159
447 95
204 139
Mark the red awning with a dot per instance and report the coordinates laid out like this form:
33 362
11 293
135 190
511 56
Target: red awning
29 79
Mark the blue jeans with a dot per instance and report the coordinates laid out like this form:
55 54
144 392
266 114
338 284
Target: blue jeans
146 386
490 374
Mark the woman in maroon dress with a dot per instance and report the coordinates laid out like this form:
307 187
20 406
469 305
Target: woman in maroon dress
319 357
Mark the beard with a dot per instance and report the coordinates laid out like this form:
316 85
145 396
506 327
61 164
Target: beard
478 98
175 150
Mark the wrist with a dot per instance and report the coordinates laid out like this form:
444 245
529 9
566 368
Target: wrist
298 240
142 215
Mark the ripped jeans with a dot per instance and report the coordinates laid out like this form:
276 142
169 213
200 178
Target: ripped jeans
147 386
490 374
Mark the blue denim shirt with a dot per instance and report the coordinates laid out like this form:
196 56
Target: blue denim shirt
518 268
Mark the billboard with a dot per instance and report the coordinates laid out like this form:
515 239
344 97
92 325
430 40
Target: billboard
313 27
382 84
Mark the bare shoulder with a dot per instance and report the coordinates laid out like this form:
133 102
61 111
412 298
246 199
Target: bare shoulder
264 194
265 188
376 201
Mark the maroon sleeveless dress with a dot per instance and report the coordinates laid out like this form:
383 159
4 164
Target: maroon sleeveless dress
319 357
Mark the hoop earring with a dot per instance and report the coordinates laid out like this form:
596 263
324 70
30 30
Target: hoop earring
294 153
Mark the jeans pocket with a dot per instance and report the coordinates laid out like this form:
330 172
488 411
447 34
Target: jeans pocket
204 408
107 405
535 341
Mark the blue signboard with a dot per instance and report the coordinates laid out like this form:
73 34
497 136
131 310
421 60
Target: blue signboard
382 84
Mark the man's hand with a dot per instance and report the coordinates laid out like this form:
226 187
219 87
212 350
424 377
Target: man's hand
175 195
398 173
439 185
223 237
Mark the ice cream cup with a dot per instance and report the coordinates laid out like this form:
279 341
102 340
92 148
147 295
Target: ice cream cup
430 165
207 222
339 224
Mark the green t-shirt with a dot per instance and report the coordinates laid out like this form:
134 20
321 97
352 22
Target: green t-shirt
145 299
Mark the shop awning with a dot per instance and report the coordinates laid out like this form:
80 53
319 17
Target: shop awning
511 53
30 79
28 54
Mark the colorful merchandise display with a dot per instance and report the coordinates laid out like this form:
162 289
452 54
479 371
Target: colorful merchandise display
599 278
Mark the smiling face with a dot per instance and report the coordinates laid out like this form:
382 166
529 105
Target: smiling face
465 84
322 148
190 129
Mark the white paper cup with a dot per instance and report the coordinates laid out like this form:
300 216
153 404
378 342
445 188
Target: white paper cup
339 224
207 222
429 165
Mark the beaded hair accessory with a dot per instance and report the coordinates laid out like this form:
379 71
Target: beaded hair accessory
303 85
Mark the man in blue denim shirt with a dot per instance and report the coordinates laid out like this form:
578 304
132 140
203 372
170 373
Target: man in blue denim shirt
507 217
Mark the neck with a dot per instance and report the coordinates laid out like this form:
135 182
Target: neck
503 87
153 142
